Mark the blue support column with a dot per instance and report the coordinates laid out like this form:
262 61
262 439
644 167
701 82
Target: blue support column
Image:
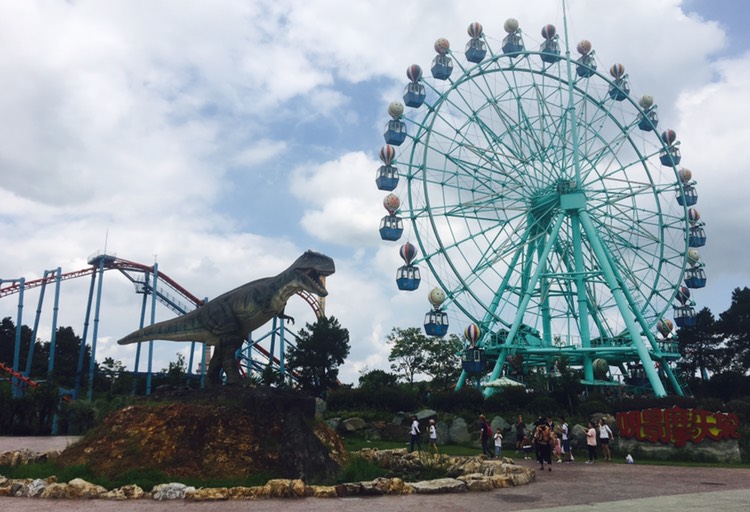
82 351
35 329
153 320
53 336
97 309
19 321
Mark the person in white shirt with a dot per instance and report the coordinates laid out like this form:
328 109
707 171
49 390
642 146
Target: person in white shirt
605 434
565 439
433 436
415 435
498 444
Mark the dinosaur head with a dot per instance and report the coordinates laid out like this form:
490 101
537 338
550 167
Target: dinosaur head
310 268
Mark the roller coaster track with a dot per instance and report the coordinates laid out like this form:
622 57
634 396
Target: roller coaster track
22 381
135 272
172 295
128 269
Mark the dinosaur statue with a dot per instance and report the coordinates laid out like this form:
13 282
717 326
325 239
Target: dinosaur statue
228 319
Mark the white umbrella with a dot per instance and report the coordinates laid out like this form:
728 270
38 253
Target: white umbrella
502 382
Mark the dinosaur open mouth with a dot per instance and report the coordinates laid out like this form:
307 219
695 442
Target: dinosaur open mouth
317 279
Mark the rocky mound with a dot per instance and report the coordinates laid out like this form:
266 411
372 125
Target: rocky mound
226 433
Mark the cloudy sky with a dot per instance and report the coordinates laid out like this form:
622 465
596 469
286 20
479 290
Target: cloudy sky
222 139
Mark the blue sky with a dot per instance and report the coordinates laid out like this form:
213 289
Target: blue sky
224 138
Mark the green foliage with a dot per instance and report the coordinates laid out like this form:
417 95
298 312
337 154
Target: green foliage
377 379
727 385
321 348
175 373
414 353
393 399
79 415
592 406
543 405
700 345
741 407
734 327
466 401
442 361
360 470
408 352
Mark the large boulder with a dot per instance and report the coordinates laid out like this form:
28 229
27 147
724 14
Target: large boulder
715 451
499 424
458 432
353 425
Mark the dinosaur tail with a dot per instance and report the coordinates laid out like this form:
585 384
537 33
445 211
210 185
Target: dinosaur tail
175 329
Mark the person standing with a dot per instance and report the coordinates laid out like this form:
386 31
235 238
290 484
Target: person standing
565 440
415 435
591 442
557 448
485 433
605 434
543 440
433 436
520 432
498 444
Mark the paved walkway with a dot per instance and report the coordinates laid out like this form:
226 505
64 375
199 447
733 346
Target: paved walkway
567 488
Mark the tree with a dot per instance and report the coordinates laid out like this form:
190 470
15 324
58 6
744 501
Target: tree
67 348
176 371
321 348
443 360
734 327
377 380
8 343
408 353
699 345
111 371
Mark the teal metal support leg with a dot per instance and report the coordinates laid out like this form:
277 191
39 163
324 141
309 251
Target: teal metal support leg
617 293
527 296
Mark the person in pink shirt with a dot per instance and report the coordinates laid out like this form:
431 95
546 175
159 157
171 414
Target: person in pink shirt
591 443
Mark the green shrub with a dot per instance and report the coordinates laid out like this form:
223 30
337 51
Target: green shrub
468 401
543 406
741 407
590 407
387 399
360 470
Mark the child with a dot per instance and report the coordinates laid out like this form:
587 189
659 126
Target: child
526 447
557 450
433 436
498 444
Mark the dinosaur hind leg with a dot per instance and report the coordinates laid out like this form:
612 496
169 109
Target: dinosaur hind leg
214 368
228 348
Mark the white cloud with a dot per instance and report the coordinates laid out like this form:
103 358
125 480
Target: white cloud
199 132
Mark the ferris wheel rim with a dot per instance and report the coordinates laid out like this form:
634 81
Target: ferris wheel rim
428 254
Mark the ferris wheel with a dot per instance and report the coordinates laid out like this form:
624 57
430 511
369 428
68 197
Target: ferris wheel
548 207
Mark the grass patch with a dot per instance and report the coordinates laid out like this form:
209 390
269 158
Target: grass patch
360 470
354 444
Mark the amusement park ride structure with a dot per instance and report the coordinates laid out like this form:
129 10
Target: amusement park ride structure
551 214
253 357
